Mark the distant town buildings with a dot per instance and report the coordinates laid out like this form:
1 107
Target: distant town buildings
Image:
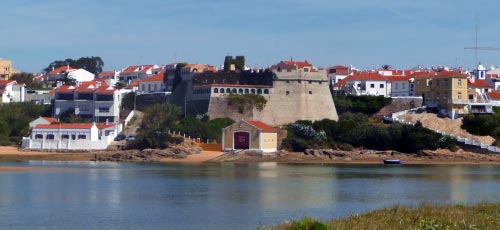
6 69
11 91
93 99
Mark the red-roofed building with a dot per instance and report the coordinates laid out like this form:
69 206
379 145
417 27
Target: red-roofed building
42 120
152 84
366 83
92 99
288 66
131 73
58 73
188 71
79 136
250 135
337 73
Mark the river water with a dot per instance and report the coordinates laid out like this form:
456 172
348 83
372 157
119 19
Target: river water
86 195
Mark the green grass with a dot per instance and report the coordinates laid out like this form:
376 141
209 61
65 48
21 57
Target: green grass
423 217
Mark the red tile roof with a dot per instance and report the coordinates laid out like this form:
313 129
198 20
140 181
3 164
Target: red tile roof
73 126
135 68
134 83
157 77
366 76
50 119
479 84
398 78
61 69
261 126
104 73
299 64
87 87
494 95
7 82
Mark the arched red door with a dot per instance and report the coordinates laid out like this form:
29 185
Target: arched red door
241 140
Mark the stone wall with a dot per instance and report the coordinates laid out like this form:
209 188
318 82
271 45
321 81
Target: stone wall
399 104
295 96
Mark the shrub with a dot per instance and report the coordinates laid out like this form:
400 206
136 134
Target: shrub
346 147
480 124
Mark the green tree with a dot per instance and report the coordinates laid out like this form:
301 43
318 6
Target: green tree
91 64
27 78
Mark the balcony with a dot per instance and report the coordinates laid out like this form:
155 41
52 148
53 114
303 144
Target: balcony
469 101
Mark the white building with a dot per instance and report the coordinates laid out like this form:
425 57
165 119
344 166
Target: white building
89 99
399 86
11 91
132 73
152 84
367 84
40 97
81 75
89 136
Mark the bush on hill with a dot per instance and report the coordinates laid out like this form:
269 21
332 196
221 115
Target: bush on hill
15 119
360 104
354 130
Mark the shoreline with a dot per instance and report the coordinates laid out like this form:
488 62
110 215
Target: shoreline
438 157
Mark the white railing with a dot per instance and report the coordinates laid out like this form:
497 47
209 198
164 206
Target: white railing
464 140
129 117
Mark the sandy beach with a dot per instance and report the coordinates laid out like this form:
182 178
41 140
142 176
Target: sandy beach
195 158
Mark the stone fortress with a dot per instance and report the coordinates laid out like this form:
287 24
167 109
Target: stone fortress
295 94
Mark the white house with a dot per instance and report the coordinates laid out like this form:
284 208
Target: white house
87 136
367 83
132 73
89 99
11 91
152 84
58 73
81 75
399 86
40 97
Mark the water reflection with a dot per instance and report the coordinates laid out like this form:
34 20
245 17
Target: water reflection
226 196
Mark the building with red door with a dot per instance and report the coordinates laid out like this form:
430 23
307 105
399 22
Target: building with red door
251 135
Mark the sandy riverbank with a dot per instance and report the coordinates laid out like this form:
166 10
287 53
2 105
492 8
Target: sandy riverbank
346 157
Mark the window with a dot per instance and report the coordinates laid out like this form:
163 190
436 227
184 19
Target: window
266 91
149 87
216 90
287 92
437 82
287 81
437 95
459 82
403 86
259 91
372 86
252 91
310 82
84 107
246 91
154 87
381 86
103 109
143 87
445 82
222 90
240 91
310 92
82 136
396 86
445 95
39 136
50 137
65 136
459 95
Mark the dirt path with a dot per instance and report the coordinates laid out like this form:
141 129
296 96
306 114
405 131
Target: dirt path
432 121
195 158
132 128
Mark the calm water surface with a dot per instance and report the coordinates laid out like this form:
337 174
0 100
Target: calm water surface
227 196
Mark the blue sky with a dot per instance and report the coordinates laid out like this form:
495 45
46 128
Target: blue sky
365 33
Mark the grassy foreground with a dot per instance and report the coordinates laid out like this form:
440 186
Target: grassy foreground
423 217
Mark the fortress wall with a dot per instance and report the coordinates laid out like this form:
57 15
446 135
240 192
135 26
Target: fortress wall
289 101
